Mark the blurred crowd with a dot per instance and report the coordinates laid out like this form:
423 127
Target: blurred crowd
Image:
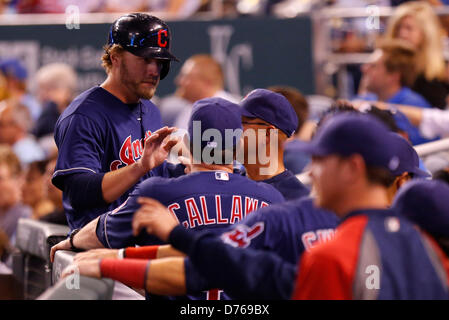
27 149
186 8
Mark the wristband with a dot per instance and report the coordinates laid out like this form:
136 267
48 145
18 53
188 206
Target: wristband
146 252
121 253
131 272
72 246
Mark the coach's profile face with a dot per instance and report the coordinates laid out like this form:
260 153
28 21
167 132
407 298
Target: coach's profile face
140 76
329 177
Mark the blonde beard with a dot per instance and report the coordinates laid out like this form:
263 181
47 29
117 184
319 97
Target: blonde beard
146 94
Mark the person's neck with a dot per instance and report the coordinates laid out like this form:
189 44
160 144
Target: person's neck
370 197
198 167
114 87
258 172
388 92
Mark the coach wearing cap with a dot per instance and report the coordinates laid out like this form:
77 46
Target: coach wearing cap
100 136
268 119
377 254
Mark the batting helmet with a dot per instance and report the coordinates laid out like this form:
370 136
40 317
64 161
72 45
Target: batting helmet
144 36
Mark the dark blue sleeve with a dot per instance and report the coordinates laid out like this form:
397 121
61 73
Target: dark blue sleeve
242 273
114 228
84 190
80 146
195 283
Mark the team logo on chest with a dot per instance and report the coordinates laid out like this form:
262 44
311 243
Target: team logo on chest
130 152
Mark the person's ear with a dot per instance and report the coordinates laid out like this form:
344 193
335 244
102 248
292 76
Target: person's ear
115 57
354 166
402 179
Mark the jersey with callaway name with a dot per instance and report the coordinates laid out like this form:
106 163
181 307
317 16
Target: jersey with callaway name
376 254
200 200
288 229
98 133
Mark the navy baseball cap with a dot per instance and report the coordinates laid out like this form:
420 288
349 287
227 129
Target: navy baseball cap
350 133
408 158
425 202
271 107
218 114
14 68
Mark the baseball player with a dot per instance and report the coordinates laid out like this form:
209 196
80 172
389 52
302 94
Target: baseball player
425 203
264 111
101 134
211 196
288 229
334 269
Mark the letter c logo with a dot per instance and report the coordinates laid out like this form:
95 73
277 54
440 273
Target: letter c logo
161 43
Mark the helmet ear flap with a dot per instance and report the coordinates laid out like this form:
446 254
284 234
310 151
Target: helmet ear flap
165 69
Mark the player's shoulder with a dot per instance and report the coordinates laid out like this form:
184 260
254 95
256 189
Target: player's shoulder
346 241
148 105
305 209
90 103
160 186
257 186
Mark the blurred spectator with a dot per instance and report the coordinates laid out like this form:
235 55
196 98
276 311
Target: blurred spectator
15 122
200 77
55 196
5 247
125 6
34 190
56 87
3 87
294 160
57 6
11 207
442 175
389 75
417 23
15 75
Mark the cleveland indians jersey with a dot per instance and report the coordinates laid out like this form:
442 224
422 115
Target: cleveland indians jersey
288 229
99 133
210 200
376 254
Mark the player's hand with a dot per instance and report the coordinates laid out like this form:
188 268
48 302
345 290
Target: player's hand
157 147
187 162
88 268
154 217
96 254
63 245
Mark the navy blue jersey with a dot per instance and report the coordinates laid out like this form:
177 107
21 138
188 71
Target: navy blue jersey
287 184
210 200
288 229
98 133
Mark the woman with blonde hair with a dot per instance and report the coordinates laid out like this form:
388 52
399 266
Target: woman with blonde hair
417 23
